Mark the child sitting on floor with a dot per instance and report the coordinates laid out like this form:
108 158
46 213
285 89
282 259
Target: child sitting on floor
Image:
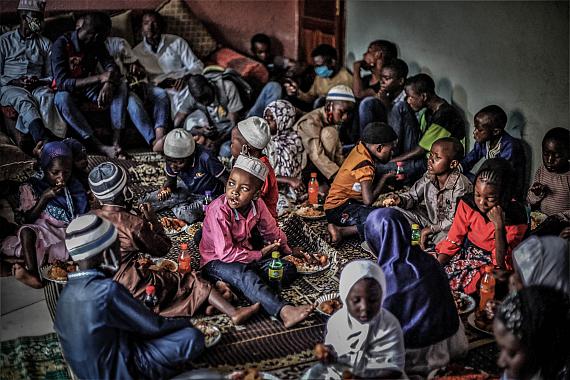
485 229
178 294
491 140
362 334
251 136
432 200
550 191
197 168
354 190
48 204
226 249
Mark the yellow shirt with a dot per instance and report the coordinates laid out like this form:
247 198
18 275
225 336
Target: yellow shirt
321 86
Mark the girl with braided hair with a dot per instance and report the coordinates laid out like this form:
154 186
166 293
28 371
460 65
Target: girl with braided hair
487 226
532 328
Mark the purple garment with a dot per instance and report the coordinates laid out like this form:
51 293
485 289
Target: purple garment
417 289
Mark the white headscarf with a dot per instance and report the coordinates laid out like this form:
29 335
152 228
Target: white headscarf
544 260
371 346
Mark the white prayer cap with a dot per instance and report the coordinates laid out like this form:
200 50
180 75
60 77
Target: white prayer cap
179 144
89 235
32 5
342 93
252 165
255 131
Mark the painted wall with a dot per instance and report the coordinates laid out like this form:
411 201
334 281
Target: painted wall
514 54
232 23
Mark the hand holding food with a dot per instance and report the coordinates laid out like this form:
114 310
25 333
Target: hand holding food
164 193
391 200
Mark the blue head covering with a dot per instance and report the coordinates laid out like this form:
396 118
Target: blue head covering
72 201
417 288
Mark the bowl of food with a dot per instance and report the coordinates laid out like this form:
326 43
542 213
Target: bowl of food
327 304
212 334
310 212
172 226
482 320
157 263
58 271
463 302
309 263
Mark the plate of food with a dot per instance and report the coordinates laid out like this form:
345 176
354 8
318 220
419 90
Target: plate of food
57 272
457 371
251 374
309 263
212 334
172 226
463 302
482 320
327 304
310 212
536 218
157 263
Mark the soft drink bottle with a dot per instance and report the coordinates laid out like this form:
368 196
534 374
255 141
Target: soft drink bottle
313 189
400 172
150 299
487 287
207 200
275 272
416 234
184 259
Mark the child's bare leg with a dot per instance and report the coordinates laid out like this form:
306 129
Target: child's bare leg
30 276
225 290
337 233
291 315
238 315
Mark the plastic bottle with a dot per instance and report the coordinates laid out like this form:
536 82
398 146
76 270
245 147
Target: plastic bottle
416 234
313 189
207 200
275 272
184 259
487 287
150 299
400 172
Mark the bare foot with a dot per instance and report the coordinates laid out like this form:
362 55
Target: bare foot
291 315
158 145
26 277
226 291
336 236
242 314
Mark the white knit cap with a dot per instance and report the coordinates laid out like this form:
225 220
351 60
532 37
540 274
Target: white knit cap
252 165
341 92
255 131
32 5
89 235
179 144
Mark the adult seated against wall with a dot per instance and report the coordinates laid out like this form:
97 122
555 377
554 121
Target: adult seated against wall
440 119
329 74
74 59
319 133
168 62
24 68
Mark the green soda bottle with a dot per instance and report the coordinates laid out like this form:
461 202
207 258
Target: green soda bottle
416 233
275 269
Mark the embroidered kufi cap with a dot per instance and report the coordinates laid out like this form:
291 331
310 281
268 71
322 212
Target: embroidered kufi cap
32 5
179 144
255 131
252 165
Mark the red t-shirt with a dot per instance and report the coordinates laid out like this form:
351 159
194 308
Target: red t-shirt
270 191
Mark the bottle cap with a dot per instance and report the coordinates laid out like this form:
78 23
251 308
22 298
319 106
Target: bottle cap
415 226
400 163
275 254
488 269
150 289
313 175
184 246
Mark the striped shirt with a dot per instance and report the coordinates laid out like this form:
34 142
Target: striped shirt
557 195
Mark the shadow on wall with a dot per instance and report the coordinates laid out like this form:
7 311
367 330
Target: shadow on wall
516 124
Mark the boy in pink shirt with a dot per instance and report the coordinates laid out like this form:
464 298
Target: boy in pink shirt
226 250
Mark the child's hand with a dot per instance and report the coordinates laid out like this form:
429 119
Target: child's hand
291 87
53 192
164 193
497 216
538 189
37 151
424 235
391 200
148 212
325 353
270 247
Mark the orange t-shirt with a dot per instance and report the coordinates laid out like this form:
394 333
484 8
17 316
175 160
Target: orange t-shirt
358 167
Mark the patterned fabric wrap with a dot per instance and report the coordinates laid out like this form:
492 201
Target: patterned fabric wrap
465 267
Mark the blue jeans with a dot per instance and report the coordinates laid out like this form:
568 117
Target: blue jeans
271 91
157 101
370 110
68 103
350 213
252 280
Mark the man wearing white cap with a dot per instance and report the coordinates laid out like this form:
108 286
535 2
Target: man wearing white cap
319 131
104 332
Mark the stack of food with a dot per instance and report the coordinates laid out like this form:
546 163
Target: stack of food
59 270
172 226
308 262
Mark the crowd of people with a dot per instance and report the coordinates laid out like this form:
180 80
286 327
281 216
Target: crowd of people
362 134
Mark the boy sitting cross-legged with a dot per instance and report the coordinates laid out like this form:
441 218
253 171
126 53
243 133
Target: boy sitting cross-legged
226 248
432 200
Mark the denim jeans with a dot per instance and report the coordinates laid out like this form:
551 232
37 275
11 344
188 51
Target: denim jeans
370 110
252 280
350 213
271 91
68 104
157 103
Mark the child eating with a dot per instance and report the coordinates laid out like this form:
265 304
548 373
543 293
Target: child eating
354 190
432 200
485 229
226 250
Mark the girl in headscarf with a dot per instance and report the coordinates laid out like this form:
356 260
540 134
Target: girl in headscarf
49 204
362 335
532 329
542 261
285 149
417 293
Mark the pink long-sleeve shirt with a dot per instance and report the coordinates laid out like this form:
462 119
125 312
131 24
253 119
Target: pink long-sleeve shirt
226 233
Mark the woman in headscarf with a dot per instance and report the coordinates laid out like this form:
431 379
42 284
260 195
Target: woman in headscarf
362 336
49 204
285 149
417 292
542 261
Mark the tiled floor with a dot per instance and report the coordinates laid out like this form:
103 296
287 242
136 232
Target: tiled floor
23 310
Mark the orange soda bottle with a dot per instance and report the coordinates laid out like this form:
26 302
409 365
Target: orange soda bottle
184 259
487 287
313 189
